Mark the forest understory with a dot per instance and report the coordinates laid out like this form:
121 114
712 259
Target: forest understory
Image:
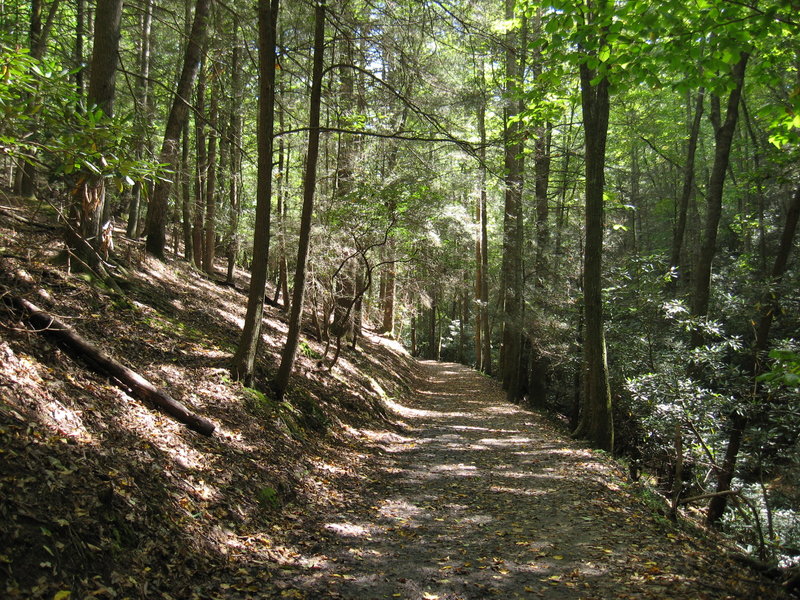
383 478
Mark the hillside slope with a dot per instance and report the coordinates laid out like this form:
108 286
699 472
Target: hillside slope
103 494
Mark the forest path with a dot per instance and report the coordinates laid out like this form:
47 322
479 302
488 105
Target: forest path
480 499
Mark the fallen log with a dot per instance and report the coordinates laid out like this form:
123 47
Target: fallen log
140 387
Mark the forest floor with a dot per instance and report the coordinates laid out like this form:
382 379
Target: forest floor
384 477
478 498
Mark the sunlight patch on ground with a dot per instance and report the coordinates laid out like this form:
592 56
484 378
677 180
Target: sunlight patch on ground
475 428
460 469
66 420
17 371
384 436
505 441
501 409
405 411
502 489
392 344
400 509
346 529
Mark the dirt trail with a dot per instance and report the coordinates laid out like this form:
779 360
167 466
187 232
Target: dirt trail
478 499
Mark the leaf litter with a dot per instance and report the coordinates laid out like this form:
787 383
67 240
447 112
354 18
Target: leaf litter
420 482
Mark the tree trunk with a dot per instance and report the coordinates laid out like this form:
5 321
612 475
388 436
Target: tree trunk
235 158
389 289
209 247
244 360
486 355
38 36
284 160
143 108
478 286
432 342
538 366
201 164
511 275
187 212
596 423
157 209
83 234
688 183
309 187
722 151
80 18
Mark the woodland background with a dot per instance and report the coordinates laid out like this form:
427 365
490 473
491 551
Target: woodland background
595 202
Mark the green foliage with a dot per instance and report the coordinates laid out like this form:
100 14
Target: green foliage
307 351
268 498
19 78
44 122
784 370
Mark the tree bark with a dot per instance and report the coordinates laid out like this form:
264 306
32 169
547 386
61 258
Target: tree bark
511 274
209 246
235 158
83 234
716 184
143 107
38 36
596 423
486 355
309 187
201 164
688 183
157 209
244 360
80 18
187 216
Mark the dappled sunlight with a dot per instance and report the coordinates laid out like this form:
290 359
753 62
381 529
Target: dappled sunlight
501 489
508 409
408 412
508 441
349 529
459 470
400 508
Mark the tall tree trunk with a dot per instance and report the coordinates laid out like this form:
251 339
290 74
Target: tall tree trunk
309 188
284 162
389 289
511 275
688 183
80 18
244 359
433 345
83 233
143 108
187 211
235 157
486 355
478 285
596 423
209 247
538 363
201 164
716 184
38 35
157 208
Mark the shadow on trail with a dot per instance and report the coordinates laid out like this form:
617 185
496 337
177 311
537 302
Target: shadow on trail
477 500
